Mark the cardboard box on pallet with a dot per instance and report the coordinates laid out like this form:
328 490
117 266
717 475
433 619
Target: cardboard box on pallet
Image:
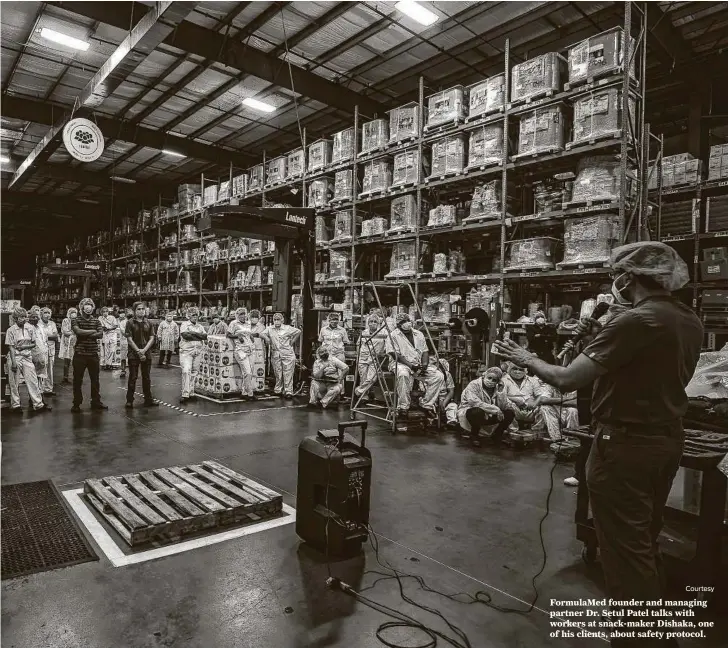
374 135
446 106
597 113
277 169
343 146
404 122
319 155
537 76
448 155
542 130
487 96
296 162
713 270
485 145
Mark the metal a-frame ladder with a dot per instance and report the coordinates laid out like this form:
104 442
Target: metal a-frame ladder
381 364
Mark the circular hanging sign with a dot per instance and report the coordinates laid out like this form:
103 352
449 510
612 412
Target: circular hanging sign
83 139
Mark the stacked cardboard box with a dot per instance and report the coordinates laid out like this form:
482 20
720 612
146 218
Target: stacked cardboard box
718 162
542 130
597 56
679 217
186 196
714 265
681 169
536 76
375 135
446 106
487 96
590 239
343 146
404 122
716 214
219 372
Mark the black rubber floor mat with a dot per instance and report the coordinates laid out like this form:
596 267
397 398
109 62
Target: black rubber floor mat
38 532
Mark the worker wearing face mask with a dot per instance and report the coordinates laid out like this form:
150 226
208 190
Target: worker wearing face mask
108 342
51 334
280 338
484 407
192 341
640 363
334 337
240 333
371 351
68 342
327 379
410 358
256 323
40 351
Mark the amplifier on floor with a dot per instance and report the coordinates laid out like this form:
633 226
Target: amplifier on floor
334 482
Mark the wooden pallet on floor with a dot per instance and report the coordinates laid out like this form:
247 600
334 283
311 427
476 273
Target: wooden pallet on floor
167 504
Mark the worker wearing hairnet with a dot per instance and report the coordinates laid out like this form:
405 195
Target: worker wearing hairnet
110 328
280 338
68 341
410 358
327 378
240 333
371 351
484 407
20 339
39 353
640 362
334 336
51 334
192 342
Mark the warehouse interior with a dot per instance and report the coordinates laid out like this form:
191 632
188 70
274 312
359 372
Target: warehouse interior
467 166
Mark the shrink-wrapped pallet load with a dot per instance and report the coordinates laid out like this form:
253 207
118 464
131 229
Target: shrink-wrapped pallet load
597 114
377 176
343 185
374 226
486 201
319 155
340 264
345 227
374 136
446 107
597 56
320 192
406 168
343 146
597 178
542 130
256 178
277 170
295 163
487 96
590 239
322 233
442 216
240 185
403 262
485 146
537 76
534 253
448 155
403 214
404 122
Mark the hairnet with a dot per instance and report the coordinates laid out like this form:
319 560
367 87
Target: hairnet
510 366
334 316
537 314
321 351
279 316
45 309
494 372
192 310
19 311
84 301
401 317
73 309
241 311
34 309
651 259
104 309
254 313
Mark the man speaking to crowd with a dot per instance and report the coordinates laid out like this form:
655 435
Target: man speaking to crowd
640 363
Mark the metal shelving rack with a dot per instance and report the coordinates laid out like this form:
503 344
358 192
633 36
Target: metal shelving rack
632 146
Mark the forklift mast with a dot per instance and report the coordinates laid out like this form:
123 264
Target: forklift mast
292 230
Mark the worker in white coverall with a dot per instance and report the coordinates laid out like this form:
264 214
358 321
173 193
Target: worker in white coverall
410 359
280 339
447 395
327 379
334 337
485 408
521 391
39 353
554 412
124 318
51 334
371 351
240 333
68 342
192 342
20 339
110 329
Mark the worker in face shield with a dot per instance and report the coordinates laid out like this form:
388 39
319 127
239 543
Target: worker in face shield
410 359
327 379
640 362
281 339
240 333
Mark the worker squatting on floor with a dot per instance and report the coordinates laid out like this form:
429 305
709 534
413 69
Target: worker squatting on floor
484 406
327 378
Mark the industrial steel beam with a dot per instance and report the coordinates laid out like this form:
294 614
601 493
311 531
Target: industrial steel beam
670 47
158 22
44 113
208 44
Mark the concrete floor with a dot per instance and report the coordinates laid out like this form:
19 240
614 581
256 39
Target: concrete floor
464 519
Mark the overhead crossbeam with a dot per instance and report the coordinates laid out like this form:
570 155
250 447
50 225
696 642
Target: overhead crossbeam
158 22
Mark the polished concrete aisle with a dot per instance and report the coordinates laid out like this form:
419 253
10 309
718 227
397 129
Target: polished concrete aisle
464 519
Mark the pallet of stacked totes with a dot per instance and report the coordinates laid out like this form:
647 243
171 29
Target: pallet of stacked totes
220 375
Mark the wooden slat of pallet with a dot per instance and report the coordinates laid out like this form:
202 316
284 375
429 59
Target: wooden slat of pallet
195 495
112 520
176 498
245 495
213 492
125 514
239 479
151 498
133 502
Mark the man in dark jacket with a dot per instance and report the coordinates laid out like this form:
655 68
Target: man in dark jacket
87 329
140 334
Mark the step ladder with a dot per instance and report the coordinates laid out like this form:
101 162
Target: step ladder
386 366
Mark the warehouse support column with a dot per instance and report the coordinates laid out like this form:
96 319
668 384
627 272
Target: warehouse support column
698 126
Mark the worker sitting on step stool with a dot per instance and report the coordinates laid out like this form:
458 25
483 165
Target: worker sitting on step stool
447 395
327 379
371 351
410 359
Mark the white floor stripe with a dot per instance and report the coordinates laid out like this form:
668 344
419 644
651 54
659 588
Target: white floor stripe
119 559
260 410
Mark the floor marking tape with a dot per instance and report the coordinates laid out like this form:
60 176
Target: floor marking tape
119 559
161 402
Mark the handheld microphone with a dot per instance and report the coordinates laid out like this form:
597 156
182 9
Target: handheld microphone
600 310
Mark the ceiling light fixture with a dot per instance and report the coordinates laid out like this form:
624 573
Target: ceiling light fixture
417 12
174 153
122 179
256 104
4 159
63 39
